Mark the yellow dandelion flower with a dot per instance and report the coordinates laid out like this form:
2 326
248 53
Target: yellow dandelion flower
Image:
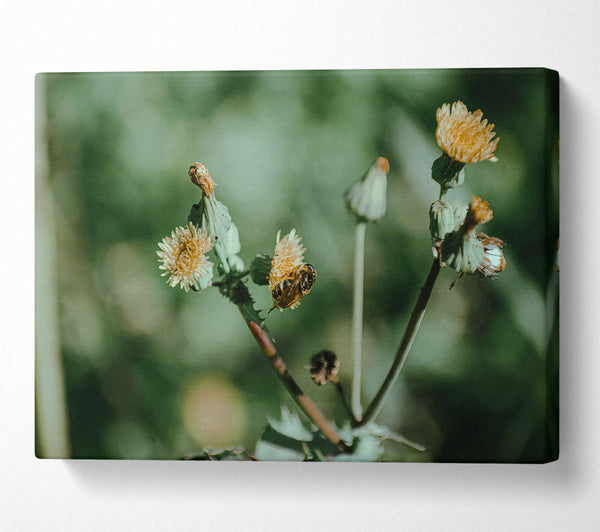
463 135
479 213
289 254
183 256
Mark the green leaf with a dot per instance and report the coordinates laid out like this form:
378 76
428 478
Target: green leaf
285 439
288 439
368 442
260 268
221 455
448 172
277 447
233 287
291 426
367 448
196 213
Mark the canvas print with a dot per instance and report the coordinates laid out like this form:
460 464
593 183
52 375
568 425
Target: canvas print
298 265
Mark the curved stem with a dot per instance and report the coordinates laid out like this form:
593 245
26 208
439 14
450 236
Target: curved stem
357 317
303 401
345 402
409 335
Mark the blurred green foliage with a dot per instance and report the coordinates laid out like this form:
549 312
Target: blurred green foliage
153 372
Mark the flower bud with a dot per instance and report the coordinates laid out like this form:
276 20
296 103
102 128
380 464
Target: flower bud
324 367
366 198
210 213
231 241
260 268
199 175
216 219
446 216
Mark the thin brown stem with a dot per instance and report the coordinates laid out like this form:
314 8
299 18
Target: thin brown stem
409 335
303 401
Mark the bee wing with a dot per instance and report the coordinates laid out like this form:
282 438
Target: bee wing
291 294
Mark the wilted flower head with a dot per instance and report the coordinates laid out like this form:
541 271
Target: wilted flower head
463 135
199 175
493 261
324 368
183 256
366 198
212 215
479 213
289 254
462 250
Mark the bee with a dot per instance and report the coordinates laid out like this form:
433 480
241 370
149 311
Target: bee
294 287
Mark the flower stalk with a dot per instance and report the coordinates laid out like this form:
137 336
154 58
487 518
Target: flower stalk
410 333
345 403
366 201
357 317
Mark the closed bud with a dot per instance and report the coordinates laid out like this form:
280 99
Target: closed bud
367 198
231 241
446 216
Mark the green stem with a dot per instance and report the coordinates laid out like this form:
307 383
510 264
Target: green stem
407 340
345 402
357 317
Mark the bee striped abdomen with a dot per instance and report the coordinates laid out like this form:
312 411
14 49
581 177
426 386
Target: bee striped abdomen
299 283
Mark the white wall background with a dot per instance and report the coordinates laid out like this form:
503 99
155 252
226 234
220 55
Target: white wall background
178 35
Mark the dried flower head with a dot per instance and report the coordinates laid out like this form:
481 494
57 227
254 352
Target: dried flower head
183 256
479 213
199 175
324 368
289 254
463 135
493 261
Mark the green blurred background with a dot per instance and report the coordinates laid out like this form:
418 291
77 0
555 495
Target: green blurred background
152 372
